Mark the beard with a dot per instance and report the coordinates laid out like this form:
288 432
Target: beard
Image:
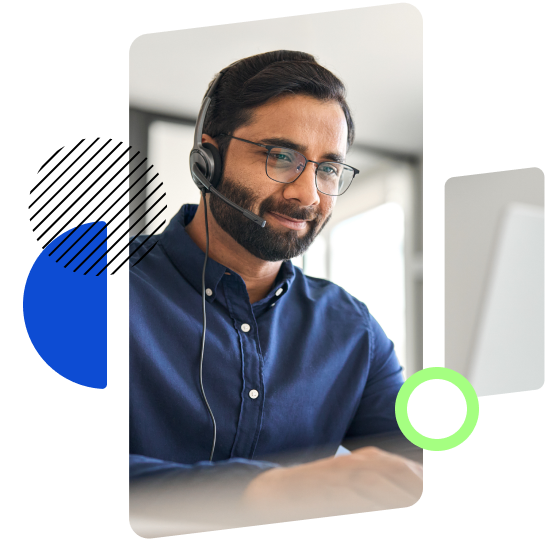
265 243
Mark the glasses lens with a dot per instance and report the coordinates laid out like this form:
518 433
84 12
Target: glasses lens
285 165
333 178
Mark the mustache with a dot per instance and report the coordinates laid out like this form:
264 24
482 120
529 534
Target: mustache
290 210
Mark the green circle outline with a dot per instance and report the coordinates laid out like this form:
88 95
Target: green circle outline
402 416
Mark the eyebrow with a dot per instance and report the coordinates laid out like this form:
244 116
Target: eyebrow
281 142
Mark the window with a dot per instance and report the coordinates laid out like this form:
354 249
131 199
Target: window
169 148
367 260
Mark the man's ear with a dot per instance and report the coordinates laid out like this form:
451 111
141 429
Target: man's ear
207 139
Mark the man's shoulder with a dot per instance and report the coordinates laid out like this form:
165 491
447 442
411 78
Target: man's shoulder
335 293
141 244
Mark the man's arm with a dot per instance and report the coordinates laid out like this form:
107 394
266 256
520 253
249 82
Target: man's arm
366 480
374 422
393 442
178 498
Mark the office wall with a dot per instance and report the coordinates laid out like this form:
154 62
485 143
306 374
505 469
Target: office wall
138 140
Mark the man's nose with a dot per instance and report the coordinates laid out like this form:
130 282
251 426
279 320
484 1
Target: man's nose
304 188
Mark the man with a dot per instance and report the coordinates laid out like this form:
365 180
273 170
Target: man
257 254
291 363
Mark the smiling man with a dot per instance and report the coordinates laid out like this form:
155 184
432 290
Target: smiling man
293 365
257 254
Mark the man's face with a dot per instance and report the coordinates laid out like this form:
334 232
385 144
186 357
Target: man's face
295 212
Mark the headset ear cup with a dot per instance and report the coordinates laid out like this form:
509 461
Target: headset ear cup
216 157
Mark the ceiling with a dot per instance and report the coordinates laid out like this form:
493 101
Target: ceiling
376 52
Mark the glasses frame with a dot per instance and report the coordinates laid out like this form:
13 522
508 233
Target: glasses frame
318 164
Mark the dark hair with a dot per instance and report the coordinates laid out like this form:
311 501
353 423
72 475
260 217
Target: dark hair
253 81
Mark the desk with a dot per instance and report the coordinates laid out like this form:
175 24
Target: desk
165 511
152 528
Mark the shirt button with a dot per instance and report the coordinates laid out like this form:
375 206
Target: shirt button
209 291
279 291
273 304
245 328
254 394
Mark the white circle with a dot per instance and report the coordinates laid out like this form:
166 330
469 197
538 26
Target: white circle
245 328
437 408
254 394
208 291
279 291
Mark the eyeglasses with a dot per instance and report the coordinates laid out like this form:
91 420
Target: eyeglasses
284 165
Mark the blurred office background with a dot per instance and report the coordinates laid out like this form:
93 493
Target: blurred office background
372 246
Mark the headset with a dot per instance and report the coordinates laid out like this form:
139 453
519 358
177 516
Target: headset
206 166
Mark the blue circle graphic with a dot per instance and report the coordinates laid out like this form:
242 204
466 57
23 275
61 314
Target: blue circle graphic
65 305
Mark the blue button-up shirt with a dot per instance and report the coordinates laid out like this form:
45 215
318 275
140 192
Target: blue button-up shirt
304 368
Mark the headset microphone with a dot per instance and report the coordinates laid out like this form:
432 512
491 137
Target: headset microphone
198 177
205 167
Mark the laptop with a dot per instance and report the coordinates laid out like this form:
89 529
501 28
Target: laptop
507 353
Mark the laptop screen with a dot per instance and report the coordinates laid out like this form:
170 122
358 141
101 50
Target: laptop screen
507 353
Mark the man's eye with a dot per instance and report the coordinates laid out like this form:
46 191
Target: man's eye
329 170
281 157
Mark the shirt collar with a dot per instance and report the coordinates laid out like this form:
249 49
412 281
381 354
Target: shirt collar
188 259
